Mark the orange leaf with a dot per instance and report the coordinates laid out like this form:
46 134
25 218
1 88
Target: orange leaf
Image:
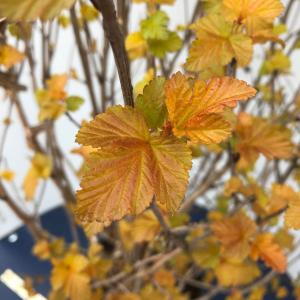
119 126
265 248
279 198
195 107
171 162
56 85
256 135
236 273
10 56
29 10
292 214
69 274
217 43
248 11
130 168
235 233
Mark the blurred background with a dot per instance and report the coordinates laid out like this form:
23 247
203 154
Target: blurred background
15 241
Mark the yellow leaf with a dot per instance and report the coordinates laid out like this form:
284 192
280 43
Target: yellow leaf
292 214
213 71
164 278
154 1
131 167
212 6
279 198
50 109
217 44
262 31
92 228
56 85
251 11
277 62
42 164
69 274
139 87
41 168
10 56
94 251
51 100
195 107
257 16
284 239
136 46
233 274
88 12
126 235
44 249
63 21
123 296
145 227
30 183
265 248
7 175
118 126
207 253
257 293
29 10
149 292
233 185
172 161
282 293
98 265
256 135
235 234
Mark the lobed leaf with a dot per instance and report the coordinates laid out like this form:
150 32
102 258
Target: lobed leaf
117 126
195 107
217 44
292 219
231 273
29 10
155 26
171 164
130 168
265 248
235 233
160 48
247 11
255 135
117 183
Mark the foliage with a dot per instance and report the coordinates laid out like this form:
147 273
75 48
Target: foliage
211 121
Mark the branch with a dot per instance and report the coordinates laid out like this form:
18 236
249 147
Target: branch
29 221
84 61
211 178
116 39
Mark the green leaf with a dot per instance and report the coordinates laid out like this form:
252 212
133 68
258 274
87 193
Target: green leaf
160 48
74 103
155 26
152 103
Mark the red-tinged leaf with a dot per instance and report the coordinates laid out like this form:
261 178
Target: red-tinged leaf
194 106
117 126
235 234
129 168
117 183
171 163
265 248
